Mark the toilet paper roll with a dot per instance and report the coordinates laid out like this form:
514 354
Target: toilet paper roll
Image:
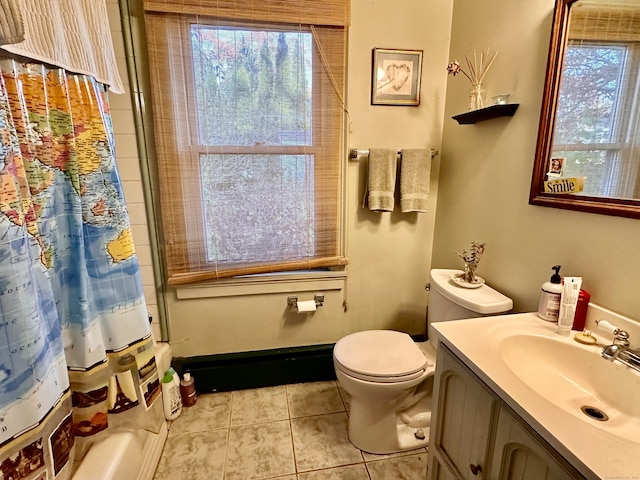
306 306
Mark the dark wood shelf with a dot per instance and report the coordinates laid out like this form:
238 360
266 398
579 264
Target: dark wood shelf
487 113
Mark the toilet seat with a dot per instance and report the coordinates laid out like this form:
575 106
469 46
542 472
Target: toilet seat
380 356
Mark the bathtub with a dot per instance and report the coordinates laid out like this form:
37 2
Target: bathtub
127 454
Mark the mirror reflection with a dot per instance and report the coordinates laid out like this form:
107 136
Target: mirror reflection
588 145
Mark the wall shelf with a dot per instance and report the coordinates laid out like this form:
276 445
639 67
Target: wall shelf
494 111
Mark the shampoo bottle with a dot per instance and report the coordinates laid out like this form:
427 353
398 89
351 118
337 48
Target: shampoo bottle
188 390
549 306
171 397
174 374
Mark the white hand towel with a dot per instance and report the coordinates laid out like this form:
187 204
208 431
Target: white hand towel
415 175
382 179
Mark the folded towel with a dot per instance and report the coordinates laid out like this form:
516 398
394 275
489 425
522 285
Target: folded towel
11 25
381 183
415 174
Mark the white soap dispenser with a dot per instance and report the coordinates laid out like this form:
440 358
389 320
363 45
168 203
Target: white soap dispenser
549 306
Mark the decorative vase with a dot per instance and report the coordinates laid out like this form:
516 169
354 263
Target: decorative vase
469 271
476 97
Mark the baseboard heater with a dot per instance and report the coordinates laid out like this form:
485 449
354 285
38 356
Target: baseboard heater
264 368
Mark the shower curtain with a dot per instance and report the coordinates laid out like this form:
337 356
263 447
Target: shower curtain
76 356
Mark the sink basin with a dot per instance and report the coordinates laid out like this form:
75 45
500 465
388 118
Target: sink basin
577 379
547 379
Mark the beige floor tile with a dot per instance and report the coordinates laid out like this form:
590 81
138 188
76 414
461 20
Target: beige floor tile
316 398
351 472
322 441
211 411
372 457
410 467
259 451
196 456
259 405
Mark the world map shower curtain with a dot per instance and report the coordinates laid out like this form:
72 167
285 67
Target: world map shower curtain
76 356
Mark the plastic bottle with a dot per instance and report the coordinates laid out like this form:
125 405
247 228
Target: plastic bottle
549 306
171 397
568 304
580 319
188 390
176 377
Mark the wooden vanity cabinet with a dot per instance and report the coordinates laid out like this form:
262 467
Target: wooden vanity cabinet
475 435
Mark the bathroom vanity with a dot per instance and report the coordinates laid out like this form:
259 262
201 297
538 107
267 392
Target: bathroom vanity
477 435
508 393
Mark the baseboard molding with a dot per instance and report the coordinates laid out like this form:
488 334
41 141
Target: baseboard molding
264 368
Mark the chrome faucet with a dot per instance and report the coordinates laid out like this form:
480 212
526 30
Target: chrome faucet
620 349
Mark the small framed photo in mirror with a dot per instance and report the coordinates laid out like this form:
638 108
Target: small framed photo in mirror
556 165
395 77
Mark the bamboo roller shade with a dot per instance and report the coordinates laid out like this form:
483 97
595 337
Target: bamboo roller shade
174 127
619 23
305 12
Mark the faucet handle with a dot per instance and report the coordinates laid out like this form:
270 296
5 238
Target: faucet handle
621 337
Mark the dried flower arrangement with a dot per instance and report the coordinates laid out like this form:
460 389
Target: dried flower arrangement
476 71
471 260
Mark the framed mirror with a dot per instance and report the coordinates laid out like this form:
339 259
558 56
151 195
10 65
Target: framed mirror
588 149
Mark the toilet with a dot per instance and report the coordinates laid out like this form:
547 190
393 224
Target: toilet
390 377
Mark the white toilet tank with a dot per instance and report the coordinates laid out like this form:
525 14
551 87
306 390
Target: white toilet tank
448 301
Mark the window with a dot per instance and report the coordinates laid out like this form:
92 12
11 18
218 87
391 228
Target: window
594 123
248 123
597 128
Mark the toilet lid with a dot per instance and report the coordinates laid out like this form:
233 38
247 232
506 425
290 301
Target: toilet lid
380 354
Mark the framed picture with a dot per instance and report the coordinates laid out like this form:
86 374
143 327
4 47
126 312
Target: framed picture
395 77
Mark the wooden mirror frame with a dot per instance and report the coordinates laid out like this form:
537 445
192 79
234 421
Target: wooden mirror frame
603 205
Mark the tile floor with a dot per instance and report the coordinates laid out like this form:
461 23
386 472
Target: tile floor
288 432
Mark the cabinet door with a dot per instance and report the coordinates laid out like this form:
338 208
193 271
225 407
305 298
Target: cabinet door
521 455
463 419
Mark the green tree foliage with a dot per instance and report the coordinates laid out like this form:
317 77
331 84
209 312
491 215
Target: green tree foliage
253 88
592 82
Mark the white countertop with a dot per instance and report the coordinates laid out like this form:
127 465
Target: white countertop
585 443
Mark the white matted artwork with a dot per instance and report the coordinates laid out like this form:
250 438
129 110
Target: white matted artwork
395 77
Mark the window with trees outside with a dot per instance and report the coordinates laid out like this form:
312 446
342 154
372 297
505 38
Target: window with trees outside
248 124
597 125
594 124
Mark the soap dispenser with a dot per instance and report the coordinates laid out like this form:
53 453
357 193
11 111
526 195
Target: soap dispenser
549 306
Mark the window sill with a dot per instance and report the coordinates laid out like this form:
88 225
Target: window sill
307 281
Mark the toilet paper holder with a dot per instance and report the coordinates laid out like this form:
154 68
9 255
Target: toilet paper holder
293 301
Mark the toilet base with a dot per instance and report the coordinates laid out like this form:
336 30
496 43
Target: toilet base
381 427
404 439
407 439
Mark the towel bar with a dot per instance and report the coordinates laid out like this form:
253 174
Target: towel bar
354 153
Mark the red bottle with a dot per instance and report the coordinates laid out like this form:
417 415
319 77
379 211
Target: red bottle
580 317
188 391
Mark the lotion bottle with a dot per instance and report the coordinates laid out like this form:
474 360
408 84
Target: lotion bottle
549 306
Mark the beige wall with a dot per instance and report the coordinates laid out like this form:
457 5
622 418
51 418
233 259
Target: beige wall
390 254
486 172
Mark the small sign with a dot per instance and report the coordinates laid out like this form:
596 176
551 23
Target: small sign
565 185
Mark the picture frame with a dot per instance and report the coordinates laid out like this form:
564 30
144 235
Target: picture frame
396 76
